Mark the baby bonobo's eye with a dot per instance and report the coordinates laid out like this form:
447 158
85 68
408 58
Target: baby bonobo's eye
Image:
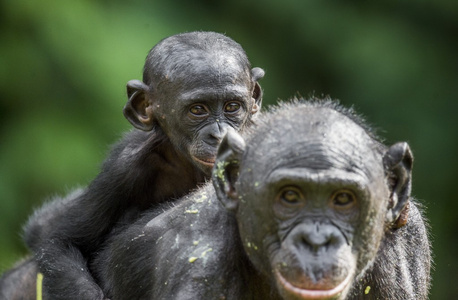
198 110
343 199
232 107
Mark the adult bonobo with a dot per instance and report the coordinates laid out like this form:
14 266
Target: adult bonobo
313 207
195 86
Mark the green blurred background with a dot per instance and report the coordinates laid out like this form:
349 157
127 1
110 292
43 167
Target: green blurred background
64 65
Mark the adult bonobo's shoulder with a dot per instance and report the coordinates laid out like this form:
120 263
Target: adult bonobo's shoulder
191 240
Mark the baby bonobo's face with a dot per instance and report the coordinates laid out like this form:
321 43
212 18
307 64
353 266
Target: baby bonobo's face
204 99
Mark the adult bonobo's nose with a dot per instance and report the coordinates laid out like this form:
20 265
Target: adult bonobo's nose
317 237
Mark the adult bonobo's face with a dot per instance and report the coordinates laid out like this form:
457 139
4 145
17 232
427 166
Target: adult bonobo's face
311 199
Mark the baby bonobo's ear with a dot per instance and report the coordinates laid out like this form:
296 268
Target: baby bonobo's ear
256 75
226 169
138 109
398 161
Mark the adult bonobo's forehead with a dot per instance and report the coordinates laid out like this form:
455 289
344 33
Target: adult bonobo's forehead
316 137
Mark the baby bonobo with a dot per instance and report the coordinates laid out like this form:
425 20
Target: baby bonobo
195 86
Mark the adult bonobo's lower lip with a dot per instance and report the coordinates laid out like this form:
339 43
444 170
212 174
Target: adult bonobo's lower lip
208 161
311 294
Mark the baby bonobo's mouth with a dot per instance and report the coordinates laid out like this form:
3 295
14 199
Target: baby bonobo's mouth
208 161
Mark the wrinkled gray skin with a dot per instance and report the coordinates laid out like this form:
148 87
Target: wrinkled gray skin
308 206
195 87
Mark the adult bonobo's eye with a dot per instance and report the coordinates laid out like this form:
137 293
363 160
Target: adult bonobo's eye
232 107
198 110
343 199
290 196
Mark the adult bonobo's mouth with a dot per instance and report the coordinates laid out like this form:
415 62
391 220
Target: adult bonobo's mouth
208 161
310 293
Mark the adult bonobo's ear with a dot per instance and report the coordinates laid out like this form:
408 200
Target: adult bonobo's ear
226 169
138 109
398 161
256 75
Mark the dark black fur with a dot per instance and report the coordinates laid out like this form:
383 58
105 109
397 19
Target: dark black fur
309 195
195 86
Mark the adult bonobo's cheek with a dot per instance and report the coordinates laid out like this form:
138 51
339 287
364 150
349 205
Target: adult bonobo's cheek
314 262
257 231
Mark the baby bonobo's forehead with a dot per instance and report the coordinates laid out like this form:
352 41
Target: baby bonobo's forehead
213 66
218 76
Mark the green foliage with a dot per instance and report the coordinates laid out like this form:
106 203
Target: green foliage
64 65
